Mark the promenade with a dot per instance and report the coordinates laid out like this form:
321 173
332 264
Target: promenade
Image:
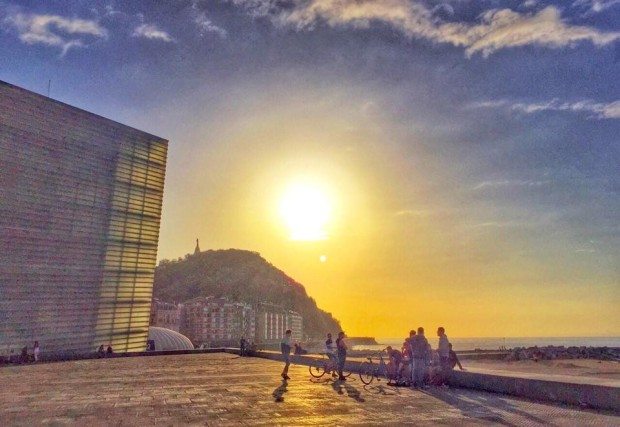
223 389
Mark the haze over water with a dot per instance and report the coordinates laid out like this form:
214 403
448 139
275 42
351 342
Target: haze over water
489 343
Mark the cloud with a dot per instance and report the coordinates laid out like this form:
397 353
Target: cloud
152 32
595 6
204 24
593 109
54 30
496 28
509 183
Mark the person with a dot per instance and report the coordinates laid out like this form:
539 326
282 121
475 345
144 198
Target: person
444 348
24 356
406 350
453 359
242 346
101 351
330 351
299 349
36 351
419 354
285 348
395 362
341 347
109 351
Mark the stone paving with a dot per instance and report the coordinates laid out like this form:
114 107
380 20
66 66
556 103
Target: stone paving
223 389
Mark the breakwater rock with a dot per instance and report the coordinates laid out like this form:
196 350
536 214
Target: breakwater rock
561 352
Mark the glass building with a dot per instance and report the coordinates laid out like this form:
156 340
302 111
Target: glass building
80 205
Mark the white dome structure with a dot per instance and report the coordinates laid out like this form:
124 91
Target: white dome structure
167 339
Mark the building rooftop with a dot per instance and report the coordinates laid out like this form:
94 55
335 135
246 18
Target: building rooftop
222 389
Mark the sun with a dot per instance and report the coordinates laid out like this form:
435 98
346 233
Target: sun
306 210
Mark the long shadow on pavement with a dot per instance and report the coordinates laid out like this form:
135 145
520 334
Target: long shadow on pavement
278 393
352 392
482 405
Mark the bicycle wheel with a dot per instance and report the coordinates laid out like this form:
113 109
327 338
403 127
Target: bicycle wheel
317 369
367 372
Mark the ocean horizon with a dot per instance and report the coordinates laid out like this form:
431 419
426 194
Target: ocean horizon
495 343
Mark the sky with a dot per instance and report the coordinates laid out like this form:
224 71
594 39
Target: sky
458 159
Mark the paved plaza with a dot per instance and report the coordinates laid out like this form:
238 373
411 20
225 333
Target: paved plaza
223 389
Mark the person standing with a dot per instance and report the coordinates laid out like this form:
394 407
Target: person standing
419 354
444 348
37 351
242 345
330 351
341 347
285 348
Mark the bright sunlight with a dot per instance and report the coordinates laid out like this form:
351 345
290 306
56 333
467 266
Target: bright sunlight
306 210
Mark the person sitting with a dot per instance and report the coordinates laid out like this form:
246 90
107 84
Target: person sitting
453 359
395 361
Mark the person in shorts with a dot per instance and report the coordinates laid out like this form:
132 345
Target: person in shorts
285 348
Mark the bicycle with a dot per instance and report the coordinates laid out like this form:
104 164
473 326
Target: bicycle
370 370
318 368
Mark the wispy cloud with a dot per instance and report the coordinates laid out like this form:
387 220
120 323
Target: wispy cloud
496 28
510 183
595 6
152 32
596 110
54 30
204 24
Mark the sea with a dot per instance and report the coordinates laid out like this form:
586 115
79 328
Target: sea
464 344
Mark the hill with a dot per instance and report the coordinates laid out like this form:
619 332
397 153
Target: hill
241 276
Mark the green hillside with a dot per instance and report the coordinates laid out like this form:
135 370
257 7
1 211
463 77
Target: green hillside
241 276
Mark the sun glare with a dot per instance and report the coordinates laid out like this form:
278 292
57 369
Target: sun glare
305 210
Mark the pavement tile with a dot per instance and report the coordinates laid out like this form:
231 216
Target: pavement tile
221 389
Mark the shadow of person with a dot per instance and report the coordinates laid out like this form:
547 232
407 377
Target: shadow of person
352 392
278 393
381 389
337 385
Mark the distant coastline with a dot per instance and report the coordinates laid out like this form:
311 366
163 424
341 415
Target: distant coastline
494 343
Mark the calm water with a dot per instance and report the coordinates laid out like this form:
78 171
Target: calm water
461 344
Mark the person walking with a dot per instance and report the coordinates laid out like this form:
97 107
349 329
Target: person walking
341 347
419 354
285 348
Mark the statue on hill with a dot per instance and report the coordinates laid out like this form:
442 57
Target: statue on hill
197 250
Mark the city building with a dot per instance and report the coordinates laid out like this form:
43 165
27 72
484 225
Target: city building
166 315
79 225
272 321
215 321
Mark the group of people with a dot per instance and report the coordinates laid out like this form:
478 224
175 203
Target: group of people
108 352
336 351
416 363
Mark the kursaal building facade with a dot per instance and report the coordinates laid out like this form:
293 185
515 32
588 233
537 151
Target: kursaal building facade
80 205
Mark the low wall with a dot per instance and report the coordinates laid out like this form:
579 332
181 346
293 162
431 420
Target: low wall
579 393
